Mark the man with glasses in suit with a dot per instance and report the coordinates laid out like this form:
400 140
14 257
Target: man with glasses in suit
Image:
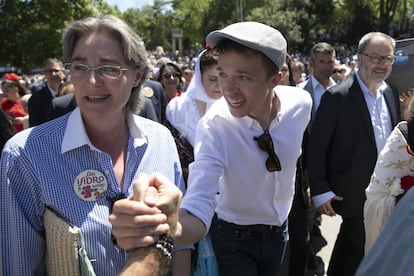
350 128
40 102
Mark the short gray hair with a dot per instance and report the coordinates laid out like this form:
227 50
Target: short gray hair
366 39
52 61
323 48
131 43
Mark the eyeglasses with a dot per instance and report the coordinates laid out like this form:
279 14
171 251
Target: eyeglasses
378 59
106 71
168 75
266 144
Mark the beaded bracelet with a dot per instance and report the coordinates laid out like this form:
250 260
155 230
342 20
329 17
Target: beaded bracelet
165 244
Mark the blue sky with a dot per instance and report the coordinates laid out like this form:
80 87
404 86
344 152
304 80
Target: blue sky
123 5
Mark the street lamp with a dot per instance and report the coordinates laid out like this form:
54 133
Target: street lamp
239 7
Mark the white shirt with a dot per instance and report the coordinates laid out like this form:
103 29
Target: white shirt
378 110
319 90
225 150
52 91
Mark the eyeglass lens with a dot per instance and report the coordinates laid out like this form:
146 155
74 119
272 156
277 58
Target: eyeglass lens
380 59
265 143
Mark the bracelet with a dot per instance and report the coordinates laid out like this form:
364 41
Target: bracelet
165 244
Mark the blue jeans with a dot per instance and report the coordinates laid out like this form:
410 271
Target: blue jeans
248 249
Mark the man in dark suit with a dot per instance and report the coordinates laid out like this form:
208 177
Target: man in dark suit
351 125
303 221
322 61
40 102
154 91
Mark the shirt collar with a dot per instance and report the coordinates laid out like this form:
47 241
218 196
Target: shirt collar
250 122
380 89
52 92
316 83
75 134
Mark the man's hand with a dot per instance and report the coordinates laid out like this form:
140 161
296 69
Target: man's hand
405 101
327 209
151 211
167 196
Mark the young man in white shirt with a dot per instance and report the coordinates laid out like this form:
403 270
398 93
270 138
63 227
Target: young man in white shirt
250 140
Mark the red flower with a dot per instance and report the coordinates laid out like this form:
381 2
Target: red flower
11 76
407 182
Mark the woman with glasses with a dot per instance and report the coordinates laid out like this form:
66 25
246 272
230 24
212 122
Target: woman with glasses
67 173
170 76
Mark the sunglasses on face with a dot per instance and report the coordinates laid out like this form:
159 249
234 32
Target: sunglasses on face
168 75
265 143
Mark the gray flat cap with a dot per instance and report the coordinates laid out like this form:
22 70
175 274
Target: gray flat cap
255 35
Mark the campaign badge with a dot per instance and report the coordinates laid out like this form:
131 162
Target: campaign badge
148 92
90 185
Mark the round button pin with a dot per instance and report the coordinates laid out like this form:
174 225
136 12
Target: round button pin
90 185
148 92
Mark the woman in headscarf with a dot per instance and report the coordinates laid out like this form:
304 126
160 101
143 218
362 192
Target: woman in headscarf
183 114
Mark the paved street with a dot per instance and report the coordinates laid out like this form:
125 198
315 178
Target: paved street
329 228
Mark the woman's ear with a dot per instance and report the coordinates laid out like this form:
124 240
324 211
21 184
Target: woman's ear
138 76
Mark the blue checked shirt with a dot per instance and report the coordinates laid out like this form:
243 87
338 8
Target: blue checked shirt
39 167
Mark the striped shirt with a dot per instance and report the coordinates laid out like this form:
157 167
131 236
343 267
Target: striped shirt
42 166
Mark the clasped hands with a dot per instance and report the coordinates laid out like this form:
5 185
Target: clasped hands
152 210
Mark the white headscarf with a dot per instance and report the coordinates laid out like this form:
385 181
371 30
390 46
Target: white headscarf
182 111
196 89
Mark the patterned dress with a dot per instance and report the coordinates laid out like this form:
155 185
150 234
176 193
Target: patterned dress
395 164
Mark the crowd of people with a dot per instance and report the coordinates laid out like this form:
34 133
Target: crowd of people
222 163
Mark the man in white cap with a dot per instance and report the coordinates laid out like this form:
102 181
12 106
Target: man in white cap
250 140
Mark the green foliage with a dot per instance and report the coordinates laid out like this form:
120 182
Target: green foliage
188 17
31 30
297 20
152 23
224 12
